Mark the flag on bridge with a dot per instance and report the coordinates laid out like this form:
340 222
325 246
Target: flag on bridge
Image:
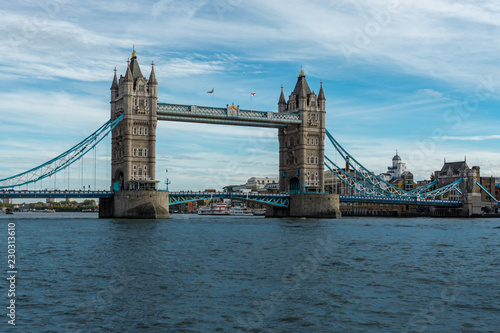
211 91
252 93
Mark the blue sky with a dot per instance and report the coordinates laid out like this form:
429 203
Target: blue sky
419 77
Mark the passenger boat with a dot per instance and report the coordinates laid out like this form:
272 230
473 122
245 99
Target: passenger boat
240 210
215 208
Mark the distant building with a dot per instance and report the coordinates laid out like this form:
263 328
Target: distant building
233 188
397 168
7 201
453 171
408 184
258 184
489 184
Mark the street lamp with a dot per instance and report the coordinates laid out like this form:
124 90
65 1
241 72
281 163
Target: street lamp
167 181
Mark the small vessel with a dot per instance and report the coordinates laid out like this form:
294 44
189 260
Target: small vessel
215 208
8 211
240 210
259 212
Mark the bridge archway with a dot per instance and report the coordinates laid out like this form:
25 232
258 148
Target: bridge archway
118 184
294 186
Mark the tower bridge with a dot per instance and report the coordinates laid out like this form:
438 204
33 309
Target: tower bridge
300 123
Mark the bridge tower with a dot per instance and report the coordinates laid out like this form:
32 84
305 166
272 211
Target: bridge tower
134 138
302 155
133 147
301 147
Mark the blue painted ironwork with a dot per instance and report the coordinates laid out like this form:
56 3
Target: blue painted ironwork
280 200
424 188
487 192
73 194
225 116
369 184
399 200
381 185
351 181
62 161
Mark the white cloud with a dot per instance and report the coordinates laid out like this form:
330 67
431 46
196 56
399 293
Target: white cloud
471 138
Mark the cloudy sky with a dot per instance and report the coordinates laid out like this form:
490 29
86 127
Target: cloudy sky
420 77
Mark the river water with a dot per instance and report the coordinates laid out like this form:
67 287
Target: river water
78 273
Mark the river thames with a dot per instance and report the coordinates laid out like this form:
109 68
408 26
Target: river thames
78 273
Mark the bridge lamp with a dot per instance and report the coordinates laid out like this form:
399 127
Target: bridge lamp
167 181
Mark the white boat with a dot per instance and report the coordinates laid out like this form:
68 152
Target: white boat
240 210
215 208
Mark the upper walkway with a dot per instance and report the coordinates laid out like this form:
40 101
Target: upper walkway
230 115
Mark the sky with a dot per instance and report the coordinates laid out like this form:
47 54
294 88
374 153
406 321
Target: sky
418 77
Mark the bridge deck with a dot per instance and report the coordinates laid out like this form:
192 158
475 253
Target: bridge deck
225 116
396 200
178 197
281 200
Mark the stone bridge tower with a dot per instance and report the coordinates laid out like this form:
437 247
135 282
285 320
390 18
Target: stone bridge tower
134 138
301 147
133 148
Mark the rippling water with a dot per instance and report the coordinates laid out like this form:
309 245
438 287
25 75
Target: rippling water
78 273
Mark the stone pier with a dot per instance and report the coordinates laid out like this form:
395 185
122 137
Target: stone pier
317 205
135 204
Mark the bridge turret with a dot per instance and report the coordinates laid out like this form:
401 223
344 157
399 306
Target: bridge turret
114 87
302 146
134 139
282 101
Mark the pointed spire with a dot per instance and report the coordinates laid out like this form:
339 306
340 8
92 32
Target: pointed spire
321 95
114 86
301 87
134 66
302 92
152 76
282 97
302 74
128 75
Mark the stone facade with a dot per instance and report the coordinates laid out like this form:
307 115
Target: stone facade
134 138
301 147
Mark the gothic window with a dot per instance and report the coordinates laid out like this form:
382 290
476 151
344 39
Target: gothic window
145 153
133 153
317 141
140 130
141 87
135 101
135 130
145 131
140 152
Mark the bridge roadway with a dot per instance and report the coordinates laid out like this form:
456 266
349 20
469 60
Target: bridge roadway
400 200
178 197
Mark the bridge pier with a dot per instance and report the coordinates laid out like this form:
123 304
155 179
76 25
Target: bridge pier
317 205
135 204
